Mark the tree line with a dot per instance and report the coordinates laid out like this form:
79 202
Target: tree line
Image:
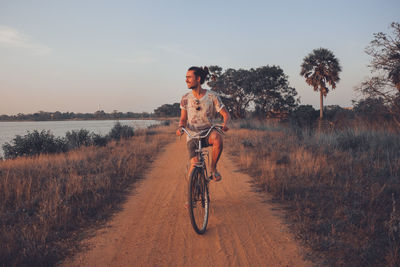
100 114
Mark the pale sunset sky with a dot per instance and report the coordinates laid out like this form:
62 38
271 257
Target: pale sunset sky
78 56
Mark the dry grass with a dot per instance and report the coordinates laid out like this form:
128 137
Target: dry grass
342 188
45 200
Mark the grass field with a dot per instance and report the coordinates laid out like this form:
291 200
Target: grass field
47 201
341 188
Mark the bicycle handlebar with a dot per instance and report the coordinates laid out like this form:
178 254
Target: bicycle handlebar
217 127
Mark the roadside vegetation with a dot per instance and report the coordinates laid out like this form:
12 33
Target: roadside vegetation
339 175
48 200
44 142
341 186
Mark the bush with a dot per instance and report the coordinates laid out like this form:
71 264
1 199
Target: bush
79 138
303 116
372 109
45 142
99 140
34 143
119 132
340 117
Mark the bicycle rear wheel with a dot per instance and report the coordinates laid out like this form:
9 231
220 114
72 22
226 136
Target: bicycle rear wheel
199 201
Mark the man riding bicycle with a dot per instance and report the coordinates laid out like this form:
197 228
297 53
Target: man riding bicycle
198 108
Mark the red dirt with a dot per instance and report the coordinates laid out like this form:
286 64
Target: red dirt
153 228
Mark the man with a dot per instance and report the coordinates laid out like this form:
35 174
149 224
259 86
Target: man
198 108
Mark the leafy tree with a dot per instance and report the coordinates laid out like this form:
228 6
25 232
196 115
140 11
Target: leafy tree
100 114
385 64
321 68
272 91
116 114
303 116
266 87
372 109
234 87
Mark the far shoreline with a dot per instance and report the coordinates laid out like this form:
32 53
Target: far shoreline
98 119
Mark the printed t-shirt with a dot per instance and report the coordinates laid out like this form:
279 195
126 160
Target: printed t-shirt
200 111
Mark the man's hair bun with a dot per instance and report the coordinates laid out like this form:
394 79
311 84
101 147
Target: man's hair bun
206 71
202 72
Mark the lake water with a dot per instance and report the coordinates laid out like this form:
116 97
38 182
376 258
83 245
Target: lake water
8 130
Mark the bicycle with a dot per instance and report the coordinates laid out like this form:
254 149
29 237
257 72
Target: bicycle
198 193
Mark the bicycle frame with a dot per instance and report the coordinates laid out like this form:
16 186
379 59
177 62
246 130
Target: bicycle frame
198 193
200 153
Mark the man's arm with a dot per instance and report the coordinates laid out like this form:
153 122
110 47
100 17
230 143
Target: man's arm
182 122
226 117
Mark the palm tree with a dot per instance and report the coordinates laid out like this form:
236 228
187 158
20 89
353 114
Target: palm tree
319 68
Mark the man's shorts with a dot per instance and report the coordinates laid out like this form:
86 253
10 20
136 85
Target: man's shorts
193 145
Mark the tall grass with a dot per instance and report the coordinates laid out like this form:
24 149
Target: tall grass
342 188
46 199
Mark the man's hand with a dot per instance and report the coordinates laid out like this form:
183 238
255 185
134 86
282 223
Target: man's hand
227 118
179 132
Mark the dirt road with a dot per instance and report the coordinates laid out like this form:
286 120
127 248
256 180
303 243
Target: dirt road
154 229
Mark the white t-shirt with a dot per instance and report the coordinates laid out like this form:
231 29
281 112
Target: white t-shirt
201 111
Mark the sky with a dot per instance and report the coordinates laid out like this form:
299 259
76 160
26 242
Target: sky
82 56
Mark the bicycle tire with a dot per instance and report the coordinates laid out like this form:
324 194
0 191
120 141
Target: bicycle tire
198 200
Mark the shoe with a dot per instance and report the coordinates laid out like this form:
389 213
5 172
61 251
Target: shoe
216 176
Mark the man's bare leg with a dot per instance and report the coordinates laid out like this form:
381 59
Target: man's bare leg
216 141
192 163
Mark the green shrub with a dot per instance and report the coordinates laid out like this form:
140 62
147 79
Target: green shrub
79 138
372 109
44 142
34 143
119 132
304 116
99 140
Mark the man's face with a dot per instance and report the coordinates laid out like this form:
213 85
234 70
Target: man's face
191 80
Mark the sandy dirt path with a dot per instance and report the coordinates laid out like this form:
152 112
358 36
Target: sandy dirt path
153 228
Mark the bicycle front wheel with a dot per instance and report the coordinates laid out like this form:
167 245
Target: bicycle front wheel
199 201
